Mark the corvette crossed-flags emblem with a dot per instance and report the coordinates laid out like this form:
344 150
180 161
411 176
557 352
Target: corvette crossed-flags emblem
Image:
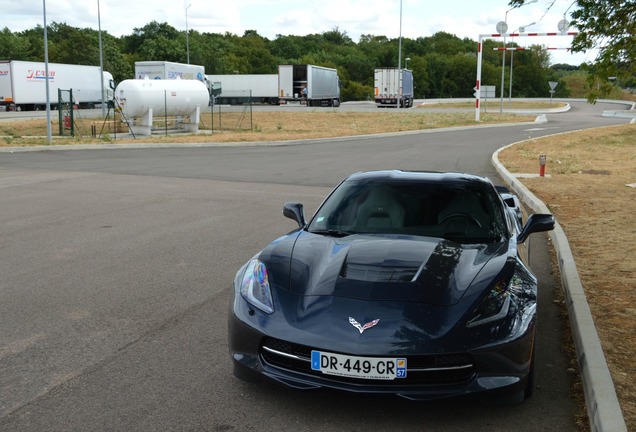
361 327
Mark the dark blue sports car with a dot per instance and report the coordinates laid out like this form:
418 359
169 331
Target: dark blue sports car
407 283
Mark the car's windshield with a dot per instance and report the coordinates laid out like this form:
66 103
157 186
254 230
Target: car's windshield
463 212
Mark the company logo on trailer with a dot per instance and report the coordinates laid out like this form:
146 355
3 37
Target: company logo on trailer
4 73
40 74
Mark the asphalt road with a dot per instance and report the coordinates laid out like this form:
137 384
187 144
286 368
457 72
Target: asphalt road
115 268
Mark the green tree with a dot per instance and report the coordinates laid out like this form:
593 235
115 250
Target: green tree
287 49
445 43
252 54
337 37
462 73
359 68
156 41
35 36
381 51
72 45
115 61
13 46
355 91
421 77
437 66
211 51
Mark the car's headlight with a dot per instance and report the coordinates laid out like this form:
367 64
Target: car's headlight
494 307
255 286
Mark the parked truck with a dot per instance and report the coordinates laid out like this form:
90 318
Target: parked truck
393 86
238 89
168 70
308 84
23 85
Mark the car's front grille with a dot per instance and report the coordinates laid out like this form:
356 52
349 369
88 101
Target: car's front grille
421 369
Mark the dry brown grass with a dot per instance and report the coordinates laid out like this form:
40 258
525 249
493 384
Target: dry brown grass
587 193
265 126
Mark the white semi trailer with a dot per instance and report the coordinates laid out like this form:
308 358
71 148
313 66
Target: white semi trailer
393 86
23 85
313 85
239 89
168 70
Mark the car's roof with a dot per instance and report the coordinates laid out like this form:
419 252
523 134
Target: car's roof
418 176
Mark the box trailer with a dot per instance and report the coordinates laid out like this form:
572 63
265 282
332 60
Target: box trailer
308 84
168 70
23 85
393 86
238 89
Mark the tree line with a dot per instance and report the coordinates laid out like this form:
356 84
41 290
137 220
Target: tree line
444 66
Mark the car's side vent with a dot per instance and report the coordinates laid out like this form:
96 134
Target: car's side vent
377 274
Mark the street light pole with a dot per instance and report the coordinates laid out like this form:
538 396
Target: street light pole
46 80
187 35
400 59
101 59
521 29
502 27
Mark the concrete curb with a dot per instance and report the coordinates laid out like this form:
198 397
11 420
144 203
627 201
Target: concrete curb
603 408
620 114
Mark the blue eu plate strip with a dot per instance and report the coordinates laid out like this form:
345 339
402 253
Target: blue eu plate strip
315 360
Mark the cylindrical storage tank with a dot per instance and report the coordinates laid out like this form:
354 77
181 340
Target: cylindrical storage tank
165 97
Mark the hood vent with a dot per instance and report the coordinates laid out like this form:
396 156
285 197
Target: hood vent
368 273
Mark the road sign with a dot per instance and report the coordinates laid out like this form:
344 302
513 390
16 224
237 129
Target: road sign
553 85
502 27
486 92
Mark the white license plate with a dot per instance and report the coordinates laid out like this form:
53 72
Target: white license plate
377 368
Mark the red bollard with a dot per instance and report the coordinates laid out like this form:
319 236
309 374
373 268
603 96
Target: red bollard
542 165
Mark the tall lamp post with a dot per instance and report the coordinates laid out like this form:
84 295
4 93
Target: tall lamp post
101 58
521 29
187 35
502 27
400 57
46 80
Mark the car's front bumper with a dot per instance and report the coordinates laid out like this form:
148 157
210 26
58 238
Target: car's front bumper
497 368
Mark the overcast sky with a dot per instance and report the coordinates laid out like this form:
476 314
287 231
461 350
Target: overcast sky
420 18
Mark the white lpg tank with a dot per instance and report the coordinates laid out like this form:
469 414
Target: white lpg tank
165 97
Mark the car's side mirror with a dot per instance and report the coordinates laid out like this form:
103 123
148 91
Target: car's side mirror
536 223
295 211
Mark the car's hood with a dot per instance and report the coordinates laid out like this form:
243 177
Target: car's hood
388 268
